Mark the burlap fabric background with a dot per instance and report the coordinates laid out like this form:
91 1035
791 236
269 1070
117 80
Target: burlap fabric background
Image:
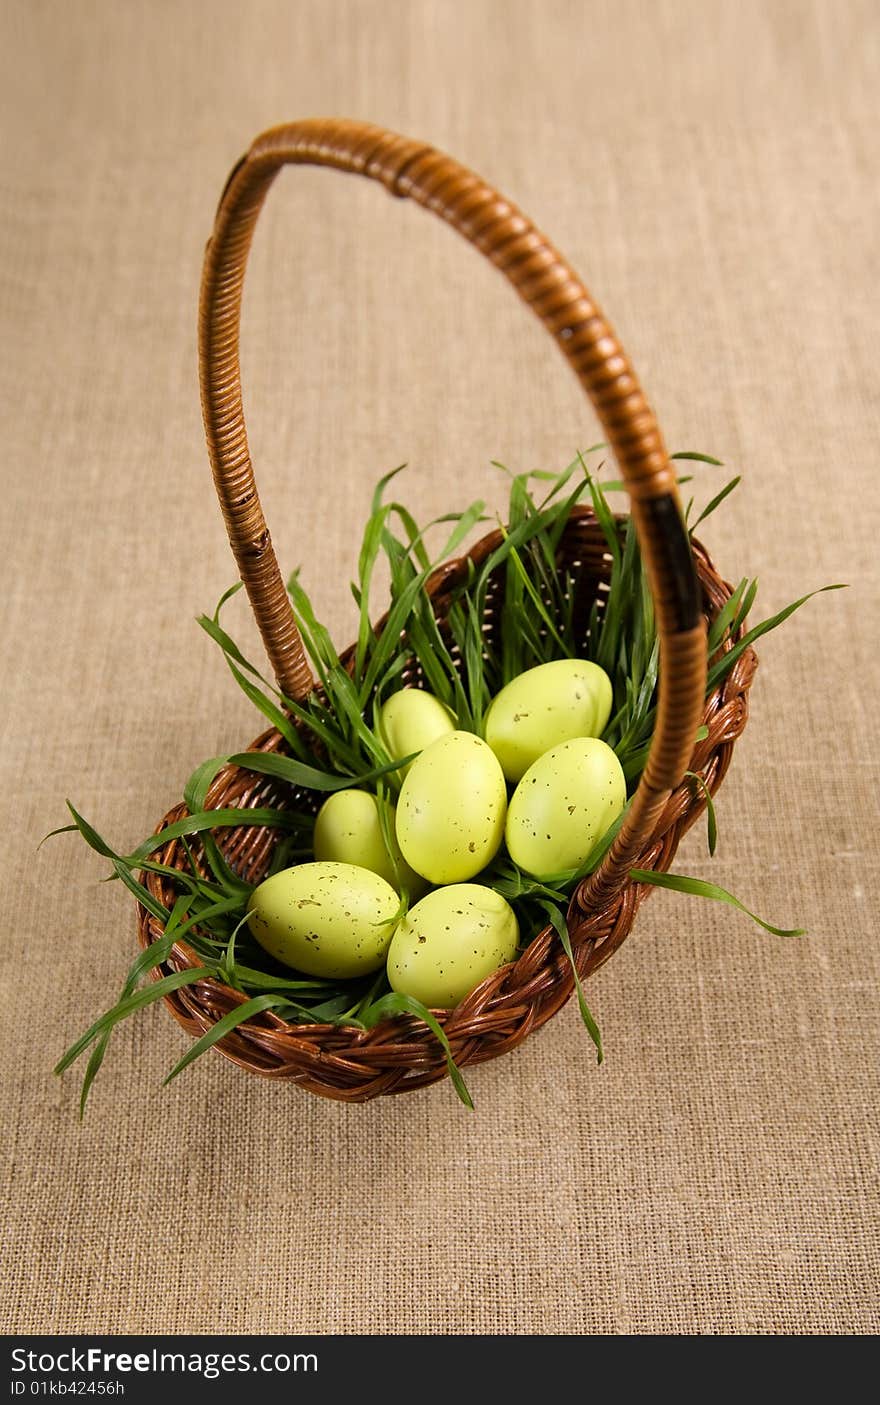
711 170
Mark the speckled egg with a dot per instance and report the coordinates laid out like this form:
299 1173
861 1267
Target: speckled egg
410 721
563 805
450 815
544 706
449 942
327 919
347 830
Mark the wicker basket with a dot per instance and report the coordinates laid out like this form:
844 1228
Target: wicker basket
348 1063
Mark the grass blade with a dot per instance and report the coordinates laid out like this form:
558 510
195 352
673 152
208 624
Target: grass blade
379 490
397 1004
269 763
560 927
744 610
726 662
698 458
370 548
716 501
211 627
711 823
606 518
91 836
195 792
213 819
147 960
223 1026
725 617
699 888
147 996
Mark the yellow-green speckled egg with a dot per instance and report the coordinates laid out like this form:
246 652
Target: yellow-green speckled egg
563 805
449 942
544 706
450 815
327 919
348 830
410 721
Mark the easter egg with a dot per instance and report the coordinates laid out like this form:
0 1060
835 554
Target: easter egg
326 919
450 815
348 830
411 720
544 706
449 942
563 805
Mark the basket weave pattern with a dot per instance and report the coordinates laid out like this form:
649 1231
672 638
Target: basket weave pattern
355 1065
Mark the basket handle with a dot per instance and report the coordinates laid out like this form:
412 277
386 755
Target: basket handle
545 281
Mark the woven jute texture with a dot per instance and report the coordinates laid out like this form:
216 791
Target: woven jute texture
711 169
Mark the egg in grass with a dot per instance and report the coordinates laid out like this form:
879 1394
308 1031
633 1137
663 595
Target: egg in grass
348 829
564 804
449 942
551 703
452 807
327 919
